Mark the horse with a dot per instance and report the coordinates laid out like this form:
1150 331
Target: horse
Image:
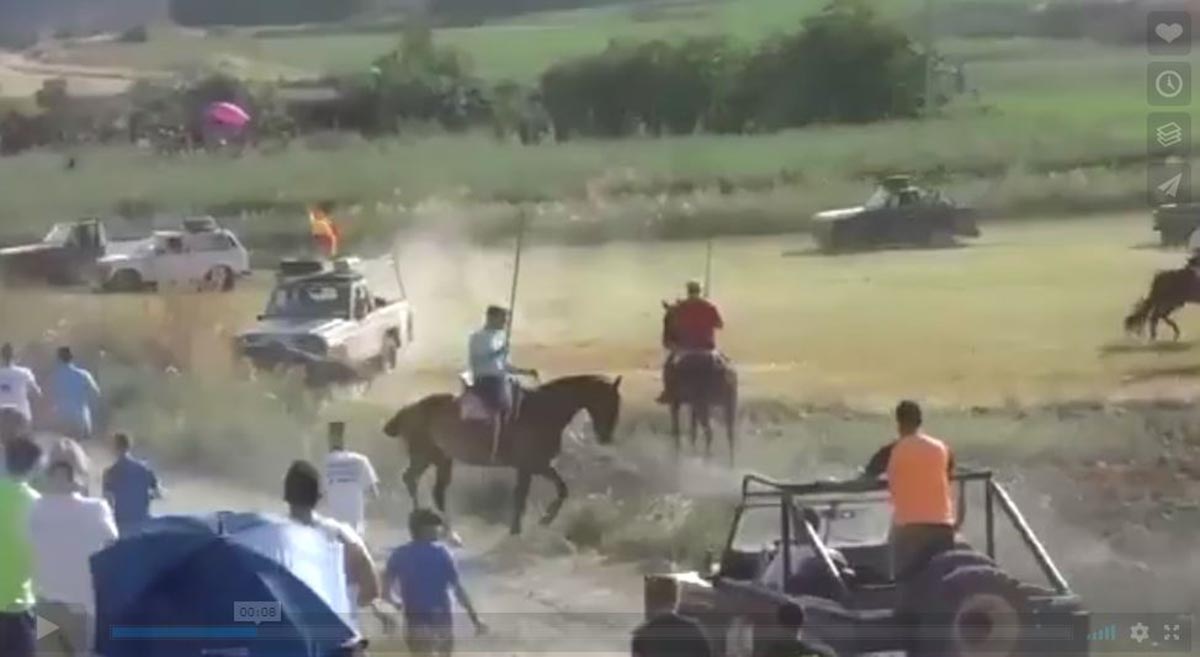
701 383
436 435
1169 290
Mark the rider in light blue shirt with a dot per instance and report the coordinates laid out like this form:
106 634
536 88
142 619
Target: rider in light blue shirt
75 392
487 353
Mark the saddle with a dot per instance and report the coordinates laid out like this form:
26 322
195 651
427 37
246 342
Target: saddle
473 408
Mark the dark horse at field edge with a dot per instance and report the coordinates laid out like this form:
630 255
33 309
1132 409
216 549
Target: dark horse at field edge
1169 290
701 381
437 436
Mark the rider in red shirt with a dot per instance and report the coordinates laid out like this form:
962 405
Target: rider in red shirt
694 324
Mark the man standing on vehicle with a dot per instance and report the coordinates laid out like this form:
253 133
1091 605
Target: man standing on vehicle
129 486
487 353
17 386
75 392
349 477
918 468
419 578
667 633
694 323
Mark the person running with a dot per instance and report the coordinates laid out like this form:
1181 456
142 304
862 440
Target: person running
349 477
918 468
18 626
67 529
75 393
667 633
694 324
129 485
302 493
18 386
419 578
791 641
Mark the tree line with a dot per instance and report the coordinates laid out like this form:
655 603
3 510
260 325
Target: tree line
842 65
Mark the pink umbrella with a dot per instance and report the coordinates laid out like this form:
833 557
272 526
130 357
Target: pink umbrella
228 114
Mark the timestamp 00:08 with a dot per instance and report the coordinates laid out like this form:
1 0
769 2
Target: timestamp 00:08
257 612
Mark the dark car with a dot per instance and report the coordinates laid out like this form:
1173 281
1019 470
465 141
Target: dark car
65 256
1175 222
961 602
898 214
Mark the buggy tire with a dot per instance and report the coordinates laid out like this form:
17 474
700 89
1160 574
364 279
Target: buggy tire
940 239
917 593
389 353
220 279
975 611
126 280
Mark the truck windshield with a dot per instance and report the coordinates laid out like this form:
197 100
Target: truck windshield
310 300
59 234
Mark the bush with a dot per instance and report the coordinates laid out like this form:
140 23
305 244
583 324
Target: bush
843 65
135 34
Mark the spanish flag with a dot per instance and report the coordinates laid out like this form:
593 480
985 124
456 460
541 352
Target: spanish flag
325 234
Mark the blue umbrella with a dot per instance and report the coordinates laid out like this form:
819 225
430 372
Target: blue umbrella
243 585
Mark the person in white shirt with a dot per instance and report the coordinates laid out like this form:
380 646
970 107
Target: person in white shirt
807 574
17 385
66 529
349 478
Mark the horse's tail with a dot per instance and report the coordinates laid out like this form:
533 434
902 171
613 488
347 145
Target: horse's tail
1137 318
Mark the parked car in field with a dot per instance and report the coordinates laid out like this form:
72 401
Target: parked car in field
202 256
321 312
898 214
65 256
960 603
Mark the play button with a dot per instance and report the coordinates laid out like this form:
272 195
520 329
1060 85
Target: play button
44 627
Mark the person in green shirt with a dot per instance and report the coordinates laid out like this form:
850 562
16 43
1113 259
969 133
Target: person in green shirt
18 634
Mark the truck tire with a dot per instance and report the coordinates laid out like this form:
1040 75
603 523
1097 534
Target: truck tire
389 354
125 280
220 279
973 611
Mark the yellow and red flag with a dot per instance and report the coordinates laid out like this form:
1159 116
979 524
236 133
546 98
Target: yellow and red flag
325 233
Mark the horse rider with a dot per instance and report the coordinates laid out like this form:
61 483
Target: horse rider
694 324
491 373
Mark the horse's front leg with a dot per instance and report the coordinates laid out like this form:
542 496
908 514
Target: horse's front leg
520 497
560 492
706 423
444 472
1174 327
412 478
675 425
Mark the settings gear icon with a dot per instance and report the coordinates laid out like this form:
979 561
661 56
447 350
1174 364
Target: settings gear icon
1139 633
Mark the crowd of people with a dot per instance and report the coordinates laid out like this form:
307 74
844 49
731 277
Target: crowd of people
51 525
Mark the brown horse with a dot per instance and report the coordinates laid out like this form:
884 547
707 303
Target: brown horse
702 381
436 435
1169 290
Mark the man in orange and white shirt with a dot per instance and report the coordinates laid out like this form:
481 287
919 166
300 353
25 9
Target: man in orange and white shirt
919 468
326 237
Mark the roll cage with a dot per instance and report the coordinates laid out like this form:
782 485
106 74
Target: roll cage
791 498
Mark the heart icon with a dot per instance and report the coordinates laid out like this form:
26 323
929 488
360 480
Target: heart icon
1168 31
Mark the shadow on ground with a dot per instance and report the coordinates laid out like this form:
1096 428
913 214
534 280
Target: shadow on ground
1115 348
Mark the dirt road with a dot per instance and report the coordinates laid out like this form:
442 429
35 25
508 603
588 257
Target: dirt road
21 76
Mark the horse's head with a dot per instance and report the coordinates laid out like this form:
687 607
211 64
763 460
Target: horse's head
668 323
603 405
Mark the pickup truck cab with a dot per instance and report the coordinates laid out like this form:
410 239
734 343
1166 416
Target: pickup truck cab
65 256
328 311
201 256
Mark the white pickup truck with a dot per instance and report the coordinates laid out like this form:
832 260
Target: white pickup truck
323 311
203 256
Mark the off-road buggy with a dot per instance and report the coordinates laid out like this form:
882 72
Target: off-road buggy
960 603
